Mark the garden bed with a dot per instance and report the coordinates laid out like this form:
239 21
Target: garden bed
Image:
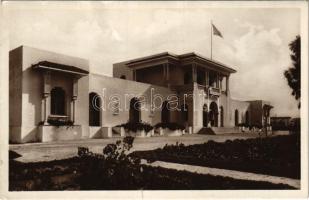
170 129
115 170
135 129
277 156
90 174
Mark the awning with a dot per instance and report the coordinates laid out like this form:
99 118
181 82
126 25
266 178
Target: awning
60 67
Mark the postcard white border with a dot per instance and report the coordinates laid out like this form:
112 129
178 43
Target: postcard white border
194 194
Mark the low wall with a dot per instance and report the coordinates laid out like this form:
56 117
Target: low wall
95 132
169 132
142 133
107 132
23 134
54 133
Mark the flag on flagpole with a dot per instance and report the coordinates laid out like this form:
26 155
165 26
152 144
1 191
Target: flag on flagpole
215 31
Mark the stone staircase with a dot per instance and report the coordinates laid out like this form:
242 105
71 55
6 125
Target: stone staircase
218 130
206 131
225 130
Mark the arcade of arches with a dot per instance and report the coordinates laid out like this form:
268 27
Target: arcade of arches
210 117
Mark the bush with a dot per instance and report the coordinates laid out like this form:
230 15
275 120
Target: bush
294 126
116 170
255 126
278 155
170 125
136 126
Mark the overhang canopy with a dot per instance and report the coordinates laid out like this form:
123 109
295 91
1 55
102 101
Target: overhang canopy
167 57
46 65
198 58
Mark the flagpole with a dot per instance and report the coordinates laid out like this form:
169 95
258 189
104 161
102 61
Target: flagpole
210 39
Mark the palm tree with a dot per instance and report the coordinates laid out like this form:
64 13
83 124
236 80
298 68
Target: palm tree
293 73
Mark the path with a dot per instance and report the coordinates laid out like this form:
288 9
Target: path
34 152
226 173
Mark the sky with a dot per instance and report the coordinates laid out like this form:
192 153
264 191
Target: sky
255 39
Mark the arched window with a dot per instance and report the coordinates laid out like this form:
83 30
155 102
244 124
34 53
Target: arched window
123 77
57 101
94 109
165 112
236 117
184 111
205 115
221 116
135 110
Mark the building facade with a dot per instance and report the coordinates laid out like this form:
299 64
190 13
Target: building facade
187 89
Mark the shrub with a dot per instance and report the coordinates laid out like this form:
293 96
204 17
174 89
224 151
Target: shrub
256 126
170 125
82 151
116 170
278 155
246 125
113 169
136 126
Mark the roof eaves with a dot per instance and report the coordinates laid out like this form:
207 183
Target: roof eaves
60 67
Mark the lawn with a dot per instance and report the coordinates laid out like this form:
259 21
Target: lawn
277 156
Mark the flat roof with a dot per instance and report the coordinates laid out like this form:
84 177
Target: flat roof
179 58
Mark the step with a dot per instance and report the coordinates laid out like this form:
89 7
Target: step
206 131
225 130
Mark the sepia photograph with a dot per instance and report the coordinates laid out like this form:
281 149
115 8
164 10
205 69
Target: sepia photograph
148 97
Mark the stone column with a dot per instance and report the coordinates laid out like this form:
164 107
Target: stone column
219 112
206 78
166 74
46 96
134 75
194 75
220 83
228 85
228 112
74 97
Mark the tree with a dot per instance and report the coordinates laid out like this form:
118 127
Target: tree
293 73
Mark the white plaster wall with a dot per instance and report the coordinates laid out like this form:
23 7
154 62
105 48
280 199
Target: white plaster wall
82 106
242 107
120 69
125 90
15 94
32 88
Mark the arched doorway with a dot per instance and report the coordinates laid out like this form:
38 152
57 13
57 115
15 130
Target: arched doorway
221 116
236 118
135 110
205 115
184 113
165 112
213 114
247 118
94 109
57 101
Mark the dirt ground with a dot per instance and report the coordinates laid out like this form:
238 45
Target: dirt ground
34 152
